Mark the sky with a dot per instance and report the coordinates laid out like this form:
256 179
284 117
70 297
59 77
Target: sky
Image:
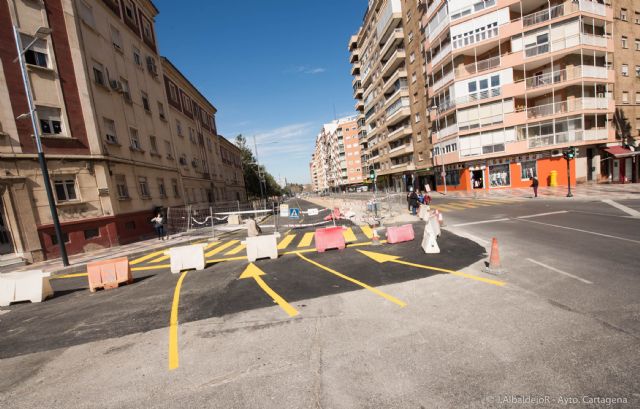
276 69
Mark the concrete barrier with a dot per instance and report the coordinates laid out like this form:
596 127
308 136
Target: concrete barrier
435 224
399 234
187 257
330 238
262 247
423 213
429 243
234 219
30 285
108 274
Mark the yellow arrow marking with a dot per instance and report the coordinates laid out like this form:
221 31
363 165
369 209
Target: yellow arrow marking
236 249
252 271
353 280
383 258
147 257
367 231
306 240
173 325
286 241
349 236
221 248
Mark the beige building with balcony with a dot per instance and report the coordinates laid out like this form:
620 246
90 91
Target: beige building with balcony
106 127
389 86
516 82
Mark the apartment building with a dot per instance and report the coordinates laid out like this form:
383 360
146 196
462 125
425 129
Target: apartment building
389 86
230 187
624 164
513 83
105 120
336 161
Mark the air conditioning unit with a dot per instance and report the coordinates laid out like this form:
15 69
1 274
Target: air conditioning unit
111 138
116 85
556 153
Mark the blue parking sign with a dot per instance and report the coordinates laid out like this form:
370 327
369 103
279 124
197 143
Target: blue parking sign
294 213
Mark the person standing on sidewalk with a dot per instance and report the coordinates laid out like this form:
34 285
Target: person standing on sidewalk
158 224
534 185
413 202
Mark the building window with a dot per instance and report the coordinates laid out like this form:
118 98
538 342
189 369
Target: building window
637 44
528 170
638 71
186 102
65 189
86 14
167 147
453 177
50 122
192 135
163 192
637 97
135 139
161 110
98 74
412 57
417 117
420 157
625 97
624 42
91 233
410 36
110 134
37 54
145 101
625 70
173 92
153 142
121 186
414 77
116 38
136 57
637 18
176 190
499 176
146 29
623 14
54 238
179 127
126 93
144 187
129 10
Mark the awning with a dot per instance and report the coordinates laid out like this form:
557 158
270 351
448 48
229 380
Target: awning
621 151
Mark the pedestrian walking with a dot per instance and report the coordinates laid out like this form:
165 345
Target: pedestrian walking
420 197
158 224
534 185
413 202
409 198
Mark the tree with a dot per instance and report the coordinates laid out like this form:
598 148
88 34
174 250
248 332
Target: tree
251 172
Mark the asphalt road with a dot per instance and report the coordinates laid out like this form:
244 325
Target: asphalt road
562 331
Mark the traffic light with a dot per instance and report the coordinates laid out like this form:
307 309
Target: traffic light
569 153
372 174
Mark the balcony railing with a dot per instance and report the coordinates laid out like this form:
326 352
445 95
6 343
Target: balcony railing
566 42
558 76
439 83
433 7
478 96
396 106
397 91
480 122
449 130
593 7
465 11
395 55
390 40
405 148
475 38
398 131
443 52
479 66
543 15
566 137
567 106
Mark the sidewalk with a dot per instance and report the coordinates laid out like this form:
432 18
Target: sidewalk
78 261
584 191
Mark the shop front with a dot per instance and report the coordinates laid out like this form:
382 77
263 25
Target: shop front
622 164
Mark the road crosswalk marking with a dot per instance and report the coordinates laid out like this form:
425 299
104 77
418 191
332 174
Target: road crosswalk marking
306 240
221 248
349 236
286 241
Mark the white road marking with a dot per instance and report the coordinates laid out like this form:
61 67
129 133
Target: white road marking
559 271
542 214
627 210
482 222
582 231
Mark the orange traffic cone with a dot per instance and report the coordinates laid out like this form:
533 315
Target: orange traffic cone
494 260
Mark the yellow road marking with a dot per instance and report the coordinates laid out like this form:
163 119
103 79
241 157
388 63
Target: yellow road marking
366 243
349 237
159 259
383 258
353 280
286 241
158 267
236 249
69 276
306 240
213 243
220 260
367 231
221 248
467 205
252 271
440 208
173 325
299 251
147 257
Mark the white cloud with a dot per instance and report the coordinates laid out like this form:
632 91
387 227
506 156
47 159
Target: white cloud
303 69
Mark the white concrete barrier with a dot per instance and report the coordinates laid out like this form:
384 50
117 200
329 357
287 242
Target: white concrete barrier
423 213
429 243
234 219
262 247
30 285
435 224
187 257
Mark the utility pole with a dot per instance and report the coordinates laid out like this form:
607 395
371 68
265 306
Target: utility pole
262 198
41 33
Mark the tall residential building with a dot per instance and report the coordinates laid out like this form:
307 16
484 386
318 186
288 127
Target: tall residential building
625 165
513 83
387 65
107 127
336 162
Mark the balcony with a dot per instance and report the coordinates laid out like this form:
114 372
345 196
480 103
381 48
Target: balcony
479 66
432 8
566 42
396 133
474 8
567 107
397 58
389 82
441 82
593 7
398 111
444 51
556 77
401 150
548 14
567 137
439 28
402 90
449 130
475 38
359 106
479 96
397 36
355 69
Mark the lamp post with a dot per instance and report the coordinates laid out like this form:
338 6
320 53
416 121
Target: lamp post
443 174
260 175
41 33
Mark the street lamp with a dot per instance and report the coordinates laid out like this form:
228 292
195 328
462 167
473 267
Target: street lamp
40 34
443 174
260 176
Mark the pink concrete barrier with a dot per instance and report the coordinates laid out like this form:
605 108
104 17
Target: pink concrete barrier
329 238
399 234
108 274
